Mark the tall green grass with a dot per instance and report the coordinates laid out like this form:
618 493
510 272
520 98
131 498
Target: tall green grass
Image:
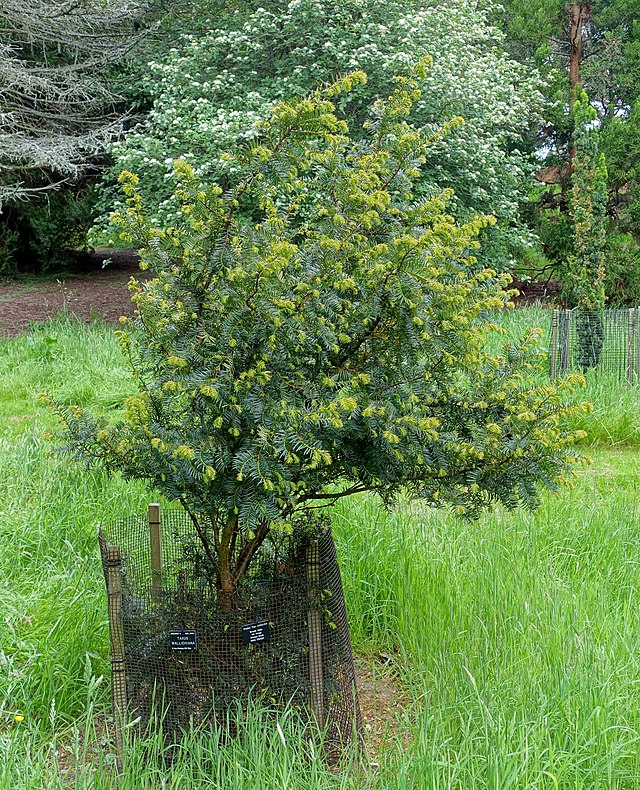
52 627
516 638
519 633
615 417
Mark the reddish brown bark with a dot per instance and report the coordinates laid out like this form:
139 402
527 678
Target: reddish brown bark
579 15
225 575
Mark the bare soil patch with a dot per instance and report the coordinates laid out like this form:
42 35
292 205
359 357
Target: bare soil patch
96 291
383 701
100 291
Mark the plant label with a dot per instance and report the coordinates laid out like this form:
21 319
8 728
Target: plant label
256 632
183 640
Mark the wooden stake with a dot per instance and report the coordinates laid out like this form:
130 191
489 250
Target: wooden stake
155 538
554 344
637 332
630 324
316 669
564 359
113 572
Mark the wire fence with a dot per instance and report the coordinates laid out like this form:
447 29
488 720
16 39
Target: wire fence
603 340
285 641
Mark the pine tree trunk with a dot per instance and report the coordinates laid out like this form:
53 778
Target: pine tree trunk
579 13
226 582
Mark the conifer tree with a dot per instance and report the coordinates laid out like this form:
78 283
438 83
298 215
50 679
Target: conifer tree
585 275
331 345
58 106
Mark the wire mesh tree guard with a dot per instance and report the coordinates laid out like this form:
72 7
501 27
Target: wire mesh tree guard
602 340
285 642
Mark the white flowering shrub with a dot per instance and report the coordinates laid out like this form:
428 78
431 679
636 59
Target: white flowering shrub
211 89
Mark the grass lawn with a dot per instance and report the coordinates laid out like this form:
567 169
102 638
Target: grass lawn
515 641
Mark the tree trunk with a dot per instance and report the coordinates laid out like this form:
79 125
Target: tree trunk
226 585
230 576
225 574
579 14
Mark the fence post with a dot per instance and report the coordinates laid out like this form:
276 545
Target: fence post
316 669
637 339
554 344
113 568
630 344
155 539
564 359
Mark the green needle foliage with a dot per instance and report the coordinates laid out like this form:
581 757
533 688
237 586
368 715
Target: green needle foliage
318 332
588 209
586 268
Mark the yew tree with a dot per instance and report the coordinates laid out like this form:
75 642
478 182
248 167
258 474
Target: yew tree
318 332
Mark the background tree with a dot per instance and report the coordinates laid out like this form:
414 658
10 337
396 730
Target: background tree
60 108
213 85
588 207
585 267
327 342
595 45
